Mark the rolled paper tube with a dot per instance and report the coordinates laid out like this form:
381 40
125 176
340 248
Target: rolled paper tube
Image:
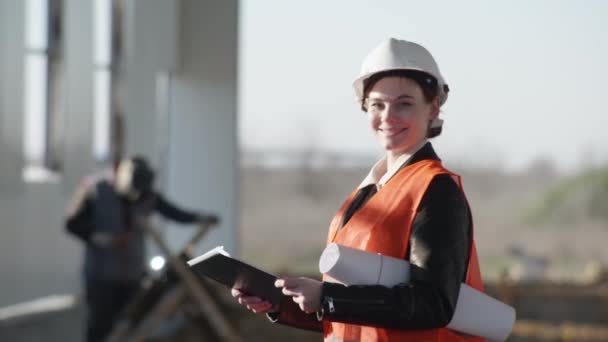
475 314
362 268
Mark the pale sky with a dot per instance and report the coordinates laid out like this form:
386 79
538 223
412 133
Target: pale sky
527 78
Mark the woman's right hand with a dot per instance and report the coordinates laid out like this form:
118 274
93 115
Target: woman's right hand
255 304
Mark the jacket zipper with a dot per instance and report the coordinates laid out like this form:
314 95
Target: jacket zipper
330 302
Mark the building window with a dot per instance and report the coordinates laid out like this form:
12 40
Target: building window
42 136
107 119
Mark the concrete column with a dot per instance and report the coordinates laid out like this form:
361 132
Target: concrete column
201 130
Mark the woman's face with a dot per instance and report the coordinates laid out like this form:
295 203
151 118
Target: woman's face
399 113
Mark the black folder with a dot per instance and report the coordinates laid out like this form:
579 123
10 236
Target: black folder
234 273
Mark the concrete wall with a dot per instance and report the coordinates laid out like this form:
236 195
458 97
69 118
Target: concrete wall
200 168
36 257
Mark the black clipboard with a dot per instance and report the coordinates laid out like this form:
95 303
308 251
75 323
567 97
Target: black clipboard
233 273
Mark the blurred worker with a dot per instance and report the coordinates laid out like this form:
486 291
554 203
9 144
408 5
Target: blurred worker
106 212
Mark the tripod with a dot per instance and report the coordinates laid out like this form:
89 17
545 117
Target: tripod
178 292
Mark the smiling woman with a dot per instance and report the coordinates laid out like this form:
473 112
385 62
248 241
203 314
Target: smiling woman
409 207
400 114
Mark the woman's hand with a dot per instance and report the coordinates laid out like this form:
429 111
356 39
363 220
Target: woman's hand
255 304
306 292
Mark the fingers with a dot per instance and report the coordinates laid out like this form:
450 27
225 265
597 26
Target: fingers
255 304
243 297
262 307
298 299
304 304
304 291
290 293
287 282
290 286
247 300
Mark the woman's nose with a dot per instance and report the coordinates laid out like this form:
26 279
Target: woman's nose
389 113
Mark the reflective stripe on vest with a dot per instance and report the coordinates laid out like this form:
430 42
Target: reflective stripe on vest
378 227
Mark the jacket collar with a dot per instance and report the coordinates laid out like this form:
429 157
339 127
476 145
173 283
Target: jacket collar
379 175
425 152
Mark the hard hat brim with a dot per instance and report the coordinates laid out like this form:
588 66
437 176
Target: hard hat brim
358 84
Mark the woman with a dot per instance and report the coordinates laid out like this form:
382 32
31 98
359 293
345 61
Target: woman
409 207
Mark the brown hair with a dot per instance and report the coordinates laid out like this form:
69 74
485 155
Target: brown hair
427 82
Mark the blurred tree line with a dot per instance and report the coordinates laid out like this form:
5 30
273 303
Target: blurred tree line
580 197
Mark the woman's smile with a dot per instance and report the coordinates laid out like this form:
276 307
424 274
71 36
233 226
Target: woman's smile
390 132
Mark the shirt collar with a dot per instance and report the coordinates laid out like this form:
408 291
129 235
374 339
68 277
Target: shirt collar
379 175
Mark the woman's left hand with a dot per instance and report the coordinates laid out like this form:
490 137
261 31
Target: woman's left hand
306 292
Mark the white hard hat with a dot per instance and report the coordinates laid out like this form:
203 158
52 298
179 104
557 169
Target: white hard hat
394 54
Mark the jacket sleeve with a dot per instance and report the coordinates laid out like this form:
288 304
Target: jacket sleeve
78 218
172 212
291 315
439 246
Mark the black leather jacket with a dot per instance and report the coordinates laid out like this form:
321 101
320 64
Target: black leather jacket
439 246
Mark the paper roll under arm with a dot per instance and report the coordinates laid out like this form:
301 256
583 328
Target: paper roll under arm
475 314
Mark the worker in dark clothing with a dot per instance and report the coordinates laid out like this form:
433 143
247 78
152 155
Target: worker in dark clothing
106 213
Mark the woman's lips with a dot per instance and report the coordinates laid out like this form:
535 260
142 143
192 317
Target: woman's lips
389 132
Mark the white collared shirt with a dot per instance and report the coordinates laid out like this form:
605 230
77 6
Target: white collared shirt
380 174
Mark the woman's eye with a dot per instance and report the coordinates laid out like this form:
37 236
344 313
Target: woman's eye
377 105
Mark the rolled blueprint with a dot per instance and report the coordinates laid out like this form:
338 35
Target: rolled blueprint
476 313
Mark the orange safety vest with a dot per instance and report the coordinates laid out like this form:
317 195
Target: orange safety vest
378 227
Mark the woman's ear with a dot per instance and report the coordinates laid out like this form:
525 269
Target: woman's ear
435 106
